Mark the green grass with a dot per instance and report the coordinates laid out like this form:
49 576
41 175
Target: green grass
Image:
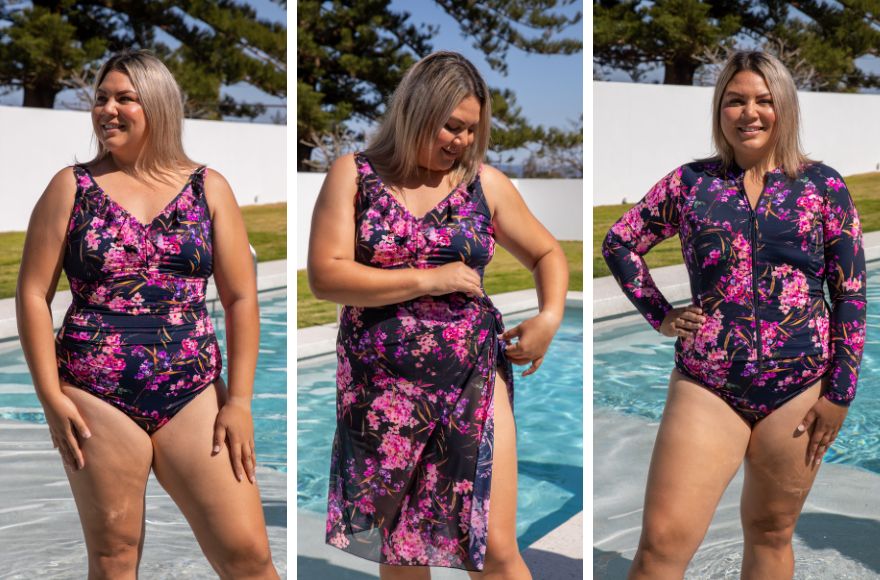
865 190
266 226
504 274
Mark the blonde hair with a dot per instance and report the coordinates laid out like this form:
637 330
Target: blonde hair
162 103
422 103
787 149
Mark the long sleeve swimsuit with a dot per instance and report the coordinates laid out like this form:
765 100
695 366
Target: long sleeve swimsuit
758 274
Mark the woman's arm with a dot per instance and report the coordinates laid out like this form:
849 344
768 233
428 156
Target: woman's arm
37 278
335 275
519 232
645 225
237 287
845 274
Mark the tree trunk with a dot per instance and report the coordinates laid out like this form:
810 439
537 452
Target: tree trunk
679 71
40 97
303 153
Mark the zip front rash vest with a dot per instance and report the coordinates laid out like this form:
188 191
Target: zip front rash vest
758 274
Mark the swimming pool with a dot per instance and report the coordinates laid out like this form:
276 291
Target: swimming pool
548 410
19 402
640 389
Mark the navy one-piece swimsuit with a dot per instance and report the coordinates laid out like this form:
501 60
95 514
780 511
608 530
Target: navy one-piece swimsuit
758 275
138 334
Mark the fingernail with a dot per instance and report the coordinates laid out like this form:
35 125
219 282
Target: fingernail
87 435
252 479
216 449
801 428
238 475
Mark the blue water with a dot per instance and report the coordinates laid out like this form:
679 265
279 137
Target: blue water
18 401
640 389
548 409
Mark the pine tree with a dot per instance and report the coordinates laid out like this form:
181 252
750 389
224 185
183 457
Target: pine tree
55 44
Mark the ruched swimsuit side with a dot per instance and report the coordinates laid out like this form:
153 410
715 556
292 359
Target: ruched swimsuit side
138 334
412 457
758 275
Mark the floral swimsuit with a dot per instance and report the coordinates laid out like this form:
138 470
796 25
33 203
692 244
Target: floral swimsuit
412 457
758 275
137 334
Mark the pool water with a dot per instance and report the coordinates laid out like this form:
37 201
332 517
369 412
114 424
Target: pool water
19 402
548 410
640 389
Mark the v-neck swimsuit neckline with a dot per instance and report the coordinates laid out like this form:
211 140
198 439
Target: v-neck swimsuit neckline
438 206
165 210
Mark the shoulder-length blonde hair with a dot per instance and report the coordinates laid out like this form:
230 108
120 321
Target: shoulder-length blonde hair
422 103
787 149
162 102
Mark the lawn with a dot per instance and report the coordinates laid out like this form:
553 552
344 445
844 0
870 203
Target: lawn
865 189
267 232
504 274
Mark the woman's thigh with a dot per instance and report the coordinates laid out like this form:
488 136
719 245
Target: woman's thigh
700 445
109 489
777 476
225 514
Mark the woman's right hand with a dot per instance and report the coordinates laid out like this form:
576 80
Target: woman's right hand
682 322
66 425
452 277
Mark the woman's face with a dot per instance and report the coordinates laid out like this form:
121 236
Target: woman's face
456 135
118 117
748 118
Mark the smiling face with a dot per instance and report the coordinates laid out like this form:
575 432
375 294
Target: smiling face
748 118
454 137
118 116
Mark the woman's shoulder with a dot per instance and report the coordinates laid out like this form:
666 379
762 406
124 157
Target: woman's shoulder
64 183
818 171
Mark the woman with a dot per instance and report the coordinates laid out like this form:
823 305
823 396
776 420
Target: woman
132 381
764 369
424 381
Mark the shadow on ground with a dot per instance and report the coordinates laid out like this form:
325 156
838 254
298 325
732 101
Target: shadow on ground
549 566
568 477
317 568
609 565
854 538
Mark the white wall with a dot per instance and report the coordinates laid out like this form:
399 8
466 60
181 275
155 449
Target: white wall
641 132
557 203
36 143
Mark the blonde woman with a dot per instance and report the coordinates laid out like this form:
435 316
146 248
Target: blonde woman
132 381
401 234
764 367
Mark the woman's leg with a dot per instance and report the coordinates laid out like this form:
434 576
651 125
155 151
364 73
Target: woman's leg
225 514
776 485
404 572
503 560
109 490
699 447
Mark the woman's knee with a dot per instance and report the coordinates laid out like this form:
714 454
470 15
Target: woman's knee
114 558
769 528
250 559
667 542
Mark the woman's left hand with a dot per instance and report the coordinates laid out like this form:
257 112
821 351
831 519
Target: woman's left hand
825 418
534 336
235 426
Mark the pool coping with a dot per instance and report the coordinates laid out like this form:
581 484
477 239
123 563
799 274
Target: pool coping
271 276
316 341
610 304
561 550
